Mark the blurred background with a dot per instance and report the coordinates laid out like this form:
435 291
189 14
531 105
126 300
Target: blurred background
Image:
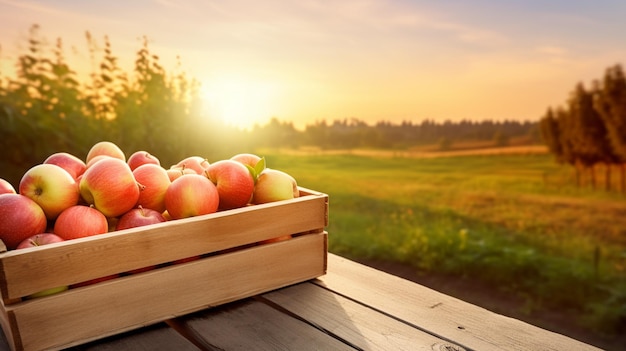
479 148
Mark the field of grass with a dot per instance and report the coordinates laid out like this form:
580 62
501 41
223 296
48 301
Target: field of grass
515 222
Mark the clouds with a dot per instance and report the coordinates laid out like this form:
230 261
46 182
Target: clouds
363 58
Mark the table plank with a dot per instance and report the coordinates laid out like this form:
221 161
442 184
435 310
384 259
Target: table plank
358 325
157 337
468 325
253 325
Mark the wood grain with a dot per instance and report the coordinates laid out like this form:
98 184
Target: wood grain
115 306
252 325
157 337
470 326
356 324
27 271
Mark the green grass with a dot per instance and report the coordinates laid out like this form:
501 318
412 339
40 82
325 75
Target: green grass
516 222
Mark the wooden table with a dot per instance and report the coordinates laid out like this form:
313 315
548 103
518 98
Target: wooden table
351 307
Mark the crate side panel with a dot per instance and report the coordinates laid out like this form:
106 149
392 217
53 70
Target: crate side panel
89 258
125 303
10 336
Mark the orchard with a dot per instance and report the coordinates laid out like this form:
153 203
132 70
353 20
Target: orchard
66 198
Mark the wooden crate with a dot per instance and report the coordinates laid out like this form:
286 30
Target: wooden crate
232 265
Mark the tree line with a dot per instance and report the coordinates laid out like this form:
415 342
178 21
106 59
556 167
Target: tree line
589 129
46 107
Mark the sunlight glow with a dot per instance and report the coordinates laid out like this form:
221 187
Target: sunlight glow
239 101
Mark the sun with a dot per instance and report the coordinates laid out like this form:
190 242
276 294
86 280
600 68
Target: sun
238 101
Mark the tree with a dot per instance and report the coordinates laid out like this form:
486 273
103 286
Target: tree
549 127
610 102
588 132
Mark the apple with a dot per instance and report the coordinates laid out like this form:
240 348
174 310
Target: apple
72 164
6 187
253 163
177 171
234 183
275 240
94 281
191 195
47 292
95 159
105 148
154 181
187 259
20 218
39 240
139 158
51 187
197 163
138 217
112 222
274 185
80 221
110 186
247 159
167 216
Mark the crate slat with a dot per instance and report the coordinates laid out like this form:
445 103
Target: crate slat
24 272
111 307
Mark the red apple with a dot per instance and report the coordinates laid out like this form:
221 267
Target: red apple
138 217
105 148
234 183
110 186
275 240
197 163
253 163
154 181
94 160
72 164
20 218
191 195
79 222
274 185
139 158
39 240
51 187
6 187
187 259
177 171
247 159
94 281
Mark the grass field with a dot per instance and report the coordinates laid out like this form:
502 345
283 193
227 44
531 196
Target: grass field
516 222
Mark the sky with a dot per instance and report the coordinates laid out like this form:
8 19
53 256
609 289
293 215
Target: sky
373 60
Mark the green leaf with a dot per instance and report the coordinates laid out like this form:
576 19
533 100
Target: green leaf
260 166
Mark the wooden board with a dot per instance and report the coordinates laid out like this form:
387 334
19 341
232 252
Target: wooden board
130 302
23 272
357 325
252 325
158 337
446 317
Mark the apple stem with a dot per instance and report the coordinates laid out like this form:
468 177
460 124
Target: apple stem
33 242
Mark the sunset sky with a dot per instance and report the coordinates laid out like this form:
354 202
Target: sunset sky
373 60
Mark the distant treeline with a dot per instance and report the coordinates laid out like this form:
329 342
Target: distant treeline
355 133
590 128
47 108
